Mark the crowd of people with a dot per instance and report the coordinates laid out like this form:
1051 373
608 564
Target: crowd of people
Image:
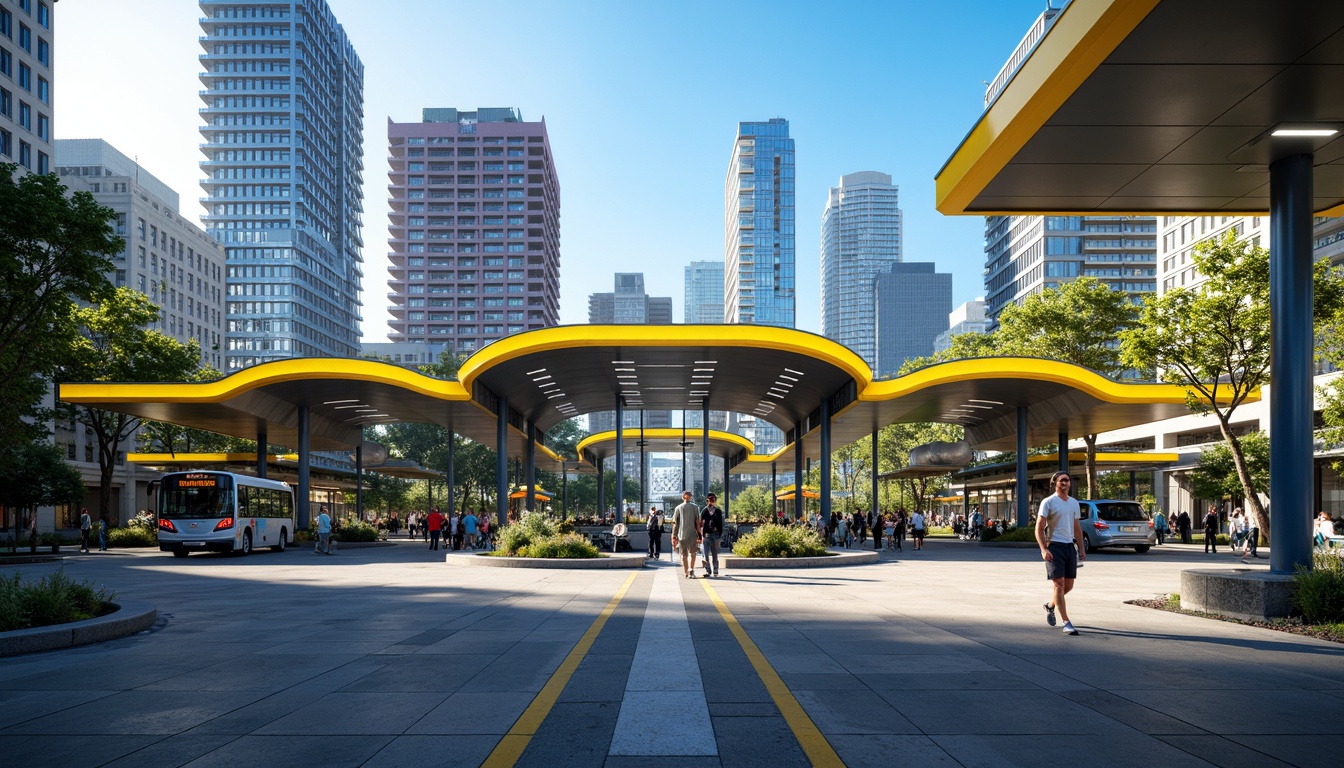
469 530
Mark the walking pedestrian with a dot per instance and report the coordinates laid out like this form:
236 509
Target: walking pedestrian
435 526
900 527
1185 526
711 533
879 527
1160 527
842 536
686 533
323 531
917 529
102 533
1236 532
85 527
1058 526
1211 531
470 529
1252 537
655 529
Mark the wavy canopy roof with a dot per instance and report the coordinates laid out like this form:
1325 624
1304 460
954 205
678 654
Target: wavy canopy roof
780 375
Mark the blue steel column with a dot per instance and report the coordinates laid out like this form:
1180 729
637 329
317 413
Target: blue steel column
1021 495
502 463
1290 402
1063 450
773 471
798 473
620 460
825 489
531 467
727 491
305 487
704 449
452 455
261 450
872 506
359 477
601 488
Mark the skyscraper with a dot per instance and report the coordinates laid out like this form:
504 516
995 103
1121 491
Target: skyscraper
860 236
26 44
969 317
474 228
703 292
284 144
913 302
758 265
628 303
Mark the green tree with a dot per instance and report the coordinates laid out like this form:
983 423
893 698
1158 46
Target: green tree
849 465
1216 478
117 344
1079 322
54 252
964 346
383 493
1215 340
894 444
753 503
34 474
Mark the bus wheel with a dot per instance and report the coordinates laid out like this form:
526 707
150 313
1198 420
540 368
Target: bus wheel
180 553
280 545
247 544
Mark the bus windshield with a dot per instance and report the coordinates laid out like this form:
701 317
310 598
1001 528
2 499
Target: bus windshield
196 496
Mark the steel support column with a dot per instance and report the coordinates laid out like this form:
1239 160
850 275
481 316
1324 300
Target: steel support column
643 479
825 489
798 473
1063 450
1291 363
305 484
704 449
872 505
502 463
620 460
1022 496
261 450
452 470
359 477
531 467
601 488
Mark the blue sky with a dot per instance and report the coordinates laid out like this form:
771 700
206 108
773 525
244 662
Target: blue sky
641 100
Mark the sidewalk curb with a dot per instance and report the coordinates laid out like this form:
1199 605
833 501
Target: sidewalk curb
836 559
129 618
477 560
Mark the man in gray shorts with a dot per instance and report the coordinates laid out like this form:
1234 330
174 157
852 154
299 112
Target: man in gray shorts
1058 526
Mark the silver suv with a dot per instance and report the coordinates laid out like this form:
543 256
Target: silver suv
1116 524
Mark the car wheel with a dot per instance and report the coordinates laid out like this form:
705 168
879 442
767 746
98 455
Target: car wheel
247 544
1087 545
180 553
280 545
1141 548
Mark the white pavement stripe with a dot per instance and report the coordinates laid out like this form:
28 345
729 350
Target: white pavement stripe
664 711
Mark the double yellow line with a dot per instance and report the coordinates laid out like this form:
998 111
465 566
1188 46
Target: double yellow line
510 748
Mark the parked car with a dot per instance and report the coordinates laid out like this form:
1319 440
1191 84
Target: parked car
1108 523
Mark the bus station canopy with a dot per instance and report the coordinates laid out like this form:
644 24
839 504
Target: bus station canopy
725 445
779 375
1159 106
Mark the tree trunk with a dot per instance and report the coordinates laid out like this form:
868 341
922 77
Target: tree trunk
1256 509
1089 464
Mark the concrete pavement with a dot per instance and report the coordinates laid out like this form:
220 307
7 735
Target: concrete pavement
387 657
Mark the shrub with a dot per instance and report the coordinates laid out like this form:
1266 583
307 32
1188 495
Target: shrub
1021 533
56 599
939 531
355 530
1319 593
144 519
132 537
780 541
569 545
514 538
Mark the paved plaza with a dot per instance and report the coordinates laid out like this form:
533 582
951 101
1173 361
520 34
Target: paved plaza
386 657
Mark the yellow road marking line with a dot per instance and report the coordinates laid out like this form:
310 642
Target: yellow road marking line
510 748
815 745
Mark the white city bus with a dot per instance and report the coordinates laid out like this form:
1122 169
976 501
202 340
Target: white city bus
222 512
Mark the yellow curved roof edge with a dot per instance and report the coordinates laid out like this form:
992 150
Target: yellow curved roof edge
1077 43
664 433
276 372
729 335
187 458
1030 368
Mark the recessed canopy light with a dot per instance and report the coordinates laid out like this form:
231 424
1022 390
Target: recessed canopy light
344 407
622 362
984 407
774 394
990 402
334 402
786 376
549 391
628 370
552 397
706 362
542 378
795 373
534 373
1300 132
665 389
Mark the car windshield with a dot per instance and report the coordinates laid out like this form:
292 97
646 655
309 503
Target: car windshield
1120 510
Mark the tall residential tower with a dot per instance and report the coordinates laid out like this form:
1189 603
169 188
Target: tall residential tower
474 228
284 145
703 292
860 237
758 224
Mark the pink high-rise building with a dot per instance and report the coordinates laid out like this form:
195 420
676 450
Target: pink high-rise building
474 229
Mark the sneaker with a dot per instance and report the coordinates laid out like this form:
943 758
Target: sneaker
1049 614
1068 628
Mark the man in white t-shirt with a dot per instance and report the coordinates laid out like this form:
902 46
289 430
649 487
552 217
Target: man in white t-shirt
1058 526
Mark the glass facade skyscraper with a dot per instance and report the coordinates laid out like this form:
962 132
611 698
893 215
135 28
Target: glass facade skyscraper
284 143
703 292
26 77
758 265
860 236
913 301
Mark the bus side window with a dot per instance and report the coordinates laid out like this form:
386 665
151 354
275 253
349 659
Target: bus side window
244 501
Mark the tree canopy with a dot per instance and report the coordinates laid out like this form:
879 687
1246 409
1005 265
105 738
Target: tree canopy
54 252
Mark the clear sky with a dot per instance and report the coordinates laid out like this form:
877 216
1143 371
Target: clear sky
641 99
